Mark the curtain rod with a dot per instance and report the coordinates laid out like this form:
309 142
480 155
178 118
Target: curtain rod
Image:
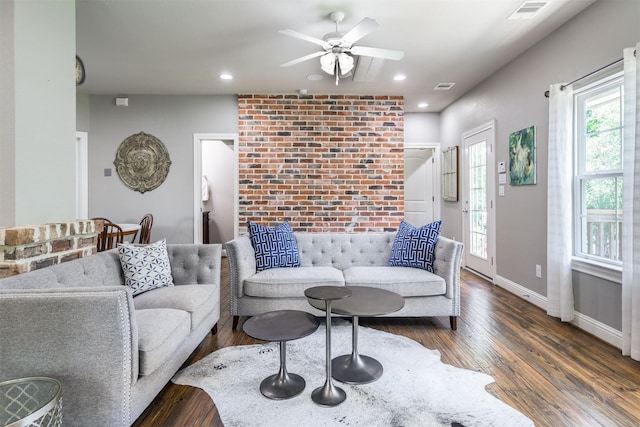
546 93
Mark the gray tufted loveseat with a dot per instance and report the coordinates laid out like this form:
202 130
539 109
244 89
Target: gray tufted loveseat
356 259
113 353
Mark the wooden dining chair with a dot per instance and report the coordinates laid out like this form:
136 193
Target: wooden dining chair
110 237
99 218
144 235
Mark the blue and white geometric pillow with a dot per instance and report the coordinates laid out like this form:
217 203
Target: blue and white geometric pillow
415 247
145 267
274 246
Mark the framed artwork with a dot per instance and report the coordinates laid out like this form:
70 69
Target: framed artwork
450 174
522 157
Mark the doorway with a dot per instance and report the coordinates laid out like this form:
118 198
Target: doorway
82 175
479 200
215 210
421 183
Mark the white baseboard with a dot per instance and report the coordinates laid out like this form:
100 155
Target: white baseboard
524 293
604 332
599 329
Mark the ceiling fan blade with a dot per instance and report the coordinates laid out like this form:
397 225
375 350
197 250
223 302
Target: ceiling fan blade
377 53
303 58
363 28
314 40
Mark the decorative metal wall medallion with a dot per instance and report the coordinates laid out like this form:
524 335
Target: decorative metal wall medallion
142 162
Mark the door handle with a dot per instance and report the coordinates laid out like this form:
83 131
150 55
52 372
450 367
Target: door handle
465 211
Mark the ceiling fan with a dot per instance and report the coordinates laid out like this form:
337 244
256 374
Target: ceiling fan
337 56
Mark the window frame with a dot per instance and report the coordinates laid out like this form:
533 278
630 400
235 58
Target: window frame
590 264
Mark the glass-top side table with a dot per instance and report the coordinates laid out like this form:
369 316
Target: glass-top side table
329 394
34 401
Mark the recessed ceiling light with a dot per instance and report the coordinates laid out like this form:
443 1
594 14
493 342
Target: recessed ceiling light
226 76
399 77
423 105
314 77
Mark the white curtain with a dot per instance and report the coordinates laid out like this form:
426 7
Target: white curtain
559 203
631 209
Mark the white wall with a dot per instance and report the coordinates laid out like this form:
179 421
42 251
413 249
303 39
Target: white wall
7 116
173 120
38 144
514 98
422 127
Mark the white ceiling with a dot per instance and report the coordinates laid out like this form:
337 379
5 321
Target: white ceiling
176 47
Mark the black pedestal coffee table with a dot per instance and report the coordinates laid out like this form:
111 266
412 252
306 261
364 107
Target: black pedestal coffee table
364 301
281 326
329 394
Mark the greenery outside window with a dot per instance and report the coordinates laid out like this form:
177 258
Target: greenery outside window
598 173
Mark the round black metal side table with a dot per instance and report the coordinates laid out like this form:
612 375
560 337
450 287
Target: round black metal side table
365 301
329 394
281 326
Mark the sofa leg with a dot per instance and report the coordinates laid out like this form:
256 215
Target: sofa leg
214 330
454 322
236 319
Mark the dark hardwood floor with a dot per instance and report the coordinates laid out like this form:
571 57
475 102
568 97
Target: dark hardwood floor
554 373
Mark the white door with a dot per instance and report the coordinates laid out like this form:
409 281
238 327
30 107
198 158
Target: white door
419 183
479 200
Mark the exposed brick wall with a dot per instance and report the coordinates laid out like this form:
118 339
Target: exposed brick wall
324 162
29 248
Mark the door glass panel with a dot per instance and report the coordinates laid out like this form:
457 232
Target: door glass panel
478 199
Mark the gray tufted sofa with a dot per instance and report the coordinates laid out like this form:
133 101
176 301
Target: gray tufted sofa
356 259
113 353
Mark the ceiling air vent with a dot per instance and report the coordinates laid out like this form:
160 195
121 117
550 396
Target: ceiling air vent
528 9
444 86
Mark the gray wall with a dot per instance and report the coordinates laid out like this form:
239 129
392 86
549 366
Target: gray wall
514 98
173 120
82 112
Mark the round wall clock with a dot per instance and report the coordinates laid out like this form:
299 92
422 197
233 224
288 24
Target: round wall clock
80 75
142 162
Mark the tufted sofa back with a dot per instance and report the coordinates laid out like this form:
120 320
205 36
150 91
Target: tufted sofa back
344 250
189 264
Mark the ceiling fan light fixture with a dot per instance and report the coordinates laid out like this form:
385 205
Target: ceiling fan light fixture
346 63
328 63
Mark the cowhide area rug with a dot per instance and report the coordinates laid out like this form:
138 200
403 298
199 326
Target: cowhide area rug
416 388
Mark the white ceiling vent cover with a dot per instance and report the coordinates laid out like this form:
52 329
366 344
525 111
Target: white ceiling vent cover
528 9
443 86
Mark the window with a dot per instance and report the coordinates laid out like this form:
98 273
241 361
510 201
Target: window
598 172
